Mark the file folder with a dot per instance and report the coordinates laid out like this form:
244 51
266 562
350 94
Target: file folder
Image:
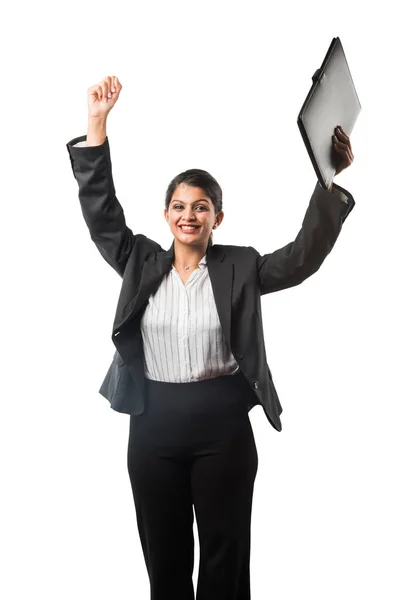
331 101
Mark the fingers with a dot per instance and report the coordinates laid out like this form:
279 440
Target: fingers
106 88
343 138
342 148
116 85
342 145
341 131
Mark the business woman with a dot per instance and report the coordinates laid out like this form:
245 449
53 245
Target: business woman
190 358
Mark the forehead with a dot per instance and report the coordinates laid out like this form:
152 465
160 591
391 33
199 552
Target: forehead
185 192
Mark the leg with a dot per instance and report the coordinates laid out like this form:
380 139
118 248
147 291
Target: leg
222 488
161 490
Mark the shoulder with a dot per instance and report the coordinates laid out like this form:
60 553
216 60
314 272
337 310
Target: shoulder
146 244
144 248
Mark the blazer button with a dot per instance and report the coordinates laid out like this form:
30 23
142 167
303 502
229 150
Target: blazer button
255 385
239 356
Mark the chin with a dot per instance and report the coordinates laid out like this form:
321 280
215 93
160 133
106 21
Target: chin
187 240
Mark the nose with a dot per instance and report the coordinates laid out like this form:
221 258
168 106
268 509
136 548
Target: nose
188 214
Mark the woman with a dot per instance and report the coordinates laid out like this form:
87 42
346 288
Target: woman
190 360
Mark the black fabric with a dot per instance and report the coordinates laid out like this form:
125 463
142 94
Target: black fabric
194 447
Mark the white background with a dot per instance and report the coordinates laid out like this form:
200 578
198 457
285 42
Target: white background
217 86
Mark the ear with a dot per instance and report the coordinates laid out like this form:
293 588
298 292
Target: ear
220 217
166 215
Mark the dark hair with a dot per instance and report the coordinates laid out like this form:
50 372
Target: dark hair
201 179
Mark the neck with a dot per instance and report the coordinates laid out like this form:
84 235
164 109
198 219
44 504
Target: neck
188 255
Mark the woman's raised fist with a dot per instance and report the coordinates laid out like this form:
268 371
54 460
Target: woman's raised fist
103 96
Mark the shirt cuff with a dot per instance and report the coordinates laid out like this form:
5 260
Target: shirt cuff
339 191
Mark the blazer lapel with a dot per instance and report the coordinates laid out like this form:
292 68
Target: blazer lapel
220 270
154 269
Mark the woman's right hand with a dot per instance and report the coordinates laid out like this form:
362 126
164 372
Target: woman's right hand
103 96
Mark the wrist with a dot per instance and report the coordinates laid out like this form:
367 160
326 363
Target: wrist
97 121
96 131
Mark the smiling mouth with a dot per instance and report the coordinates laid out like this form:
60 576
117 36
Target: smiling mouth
188 227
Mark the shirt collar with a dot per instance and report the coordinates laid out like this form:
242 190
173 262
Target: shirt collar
203 262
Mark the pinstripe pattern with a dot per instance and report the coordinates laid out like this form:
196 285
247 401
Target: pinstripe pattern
182 335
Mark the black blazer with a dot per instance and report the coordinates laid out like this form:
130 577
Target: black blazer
239 276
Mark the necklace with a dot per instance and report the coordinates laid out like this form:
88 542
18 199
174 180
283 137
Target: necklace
187 267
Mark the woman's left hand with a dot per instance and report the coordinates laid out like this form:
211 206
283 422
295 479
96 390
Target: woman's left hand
343 153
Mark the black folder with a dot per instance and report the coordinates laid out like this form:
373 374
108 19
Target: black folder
331 101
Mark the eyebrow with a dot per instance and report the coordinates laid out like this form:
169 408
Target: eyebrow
199 200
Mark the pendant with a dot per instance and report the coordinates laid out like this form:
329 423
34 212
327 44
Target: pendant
187 268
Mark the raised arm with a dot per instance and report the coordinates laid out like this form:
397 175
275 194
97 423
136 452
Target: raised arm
322 223
91 166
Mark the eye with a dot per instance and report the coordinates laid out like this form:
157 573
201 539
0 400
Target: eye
177 206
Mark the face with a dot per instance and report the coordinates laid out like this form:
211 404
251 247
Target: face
190 206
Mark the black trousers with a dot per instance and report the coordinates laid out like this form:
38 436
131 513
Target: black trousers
194 447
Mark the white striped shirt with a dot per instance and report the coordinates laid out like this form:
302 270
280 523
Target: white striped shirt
182 335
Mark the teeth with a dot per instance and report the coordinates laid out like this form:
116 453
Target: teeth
188 227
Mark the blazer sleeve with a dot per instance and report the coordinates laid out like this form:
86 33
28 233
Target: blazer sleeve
322 223
103 214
